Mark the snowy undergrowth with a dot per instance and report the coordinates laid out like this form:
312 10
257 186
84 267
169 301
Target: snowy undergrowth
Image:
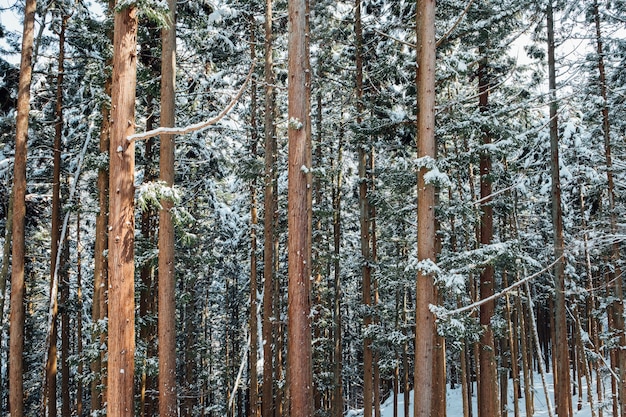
454 402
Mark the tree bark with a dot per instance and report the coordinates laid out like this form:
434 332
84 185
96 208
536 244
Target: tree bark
55 234
253 323
488 387
99 305
562 389
299 350
426 148
615 247
167 283
268 404
364 220
16 330
121 301
337 408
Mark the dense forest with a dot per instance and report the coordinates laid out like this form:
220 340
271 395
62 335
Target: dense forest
298 208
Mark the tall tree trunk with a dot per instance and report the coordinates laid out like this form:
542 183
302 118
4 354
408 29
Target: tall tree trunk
615 248
562 389
253 323
101 273
364 220
337 408
299 350
79 317
167 283
268 404
121 300
16 330
488 387
426 151
55 235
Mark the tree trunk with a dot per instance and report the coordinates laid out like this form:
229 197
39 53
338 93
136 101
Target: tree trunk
615 247
299 351
337 409
121 301
268 404
101 273
253 323
16 330
364 221
562 388
55 234
426 150
79 317
167 283
488 387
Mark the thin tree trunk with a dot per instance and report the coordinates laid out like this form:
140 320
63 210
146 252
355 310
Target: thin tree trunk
121 290
488 400
337 409
299 352
99 305
167 283
615 247
79 317
64 293
16 330
268 403
426 150
50 407
364 220
562 389
253 323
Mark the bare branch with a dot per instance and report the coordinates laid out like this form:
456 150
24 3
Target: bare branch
197 126
497 295
458 20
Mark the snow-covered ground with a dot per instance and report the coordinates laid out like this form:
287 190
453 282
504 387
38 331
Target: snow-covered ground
455 402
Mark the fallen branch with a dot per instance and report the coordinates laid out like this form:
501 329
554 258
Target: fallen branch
197 126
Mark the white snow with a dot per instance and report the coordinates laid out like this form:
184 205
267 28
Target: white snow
454 401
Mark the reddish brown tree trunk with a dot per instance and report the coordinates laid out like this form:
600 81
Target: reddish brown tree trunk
299 350
268 403
167 283
488 387
16 330
121 301
426 150
562 371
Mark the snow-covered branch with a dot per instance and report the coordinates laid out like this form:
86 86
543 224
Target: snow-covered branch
442 313
196 126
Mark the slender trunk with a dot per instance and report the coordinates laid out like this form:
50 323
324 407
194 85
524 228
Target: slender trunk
562 389
16 330
426 150
64 293
268 403
253 323
167 283
364 220
79 317
337 410
615 247
526 365
299 354
488 401
121 300
100 284
55 235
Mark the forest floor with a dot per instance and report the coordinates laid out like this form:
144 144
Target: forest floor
454 400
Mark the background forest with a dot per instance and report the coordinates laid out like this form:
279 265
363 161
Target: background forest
530 179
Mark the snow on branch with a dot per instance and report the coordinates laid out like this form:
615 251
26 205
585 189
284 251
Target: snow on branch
197 126
441 312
